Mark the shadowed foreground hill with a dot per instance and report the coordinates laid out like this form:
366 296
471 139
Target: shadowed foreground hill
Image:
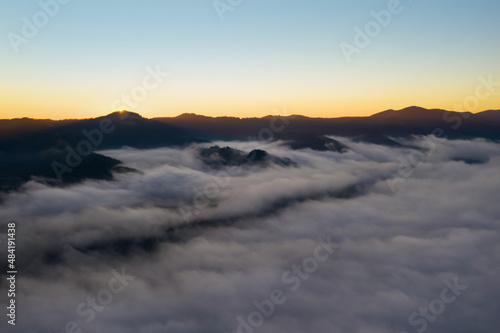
62 152
22 167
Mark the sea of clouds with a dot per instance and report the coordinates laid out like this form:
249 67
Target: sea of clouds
181 247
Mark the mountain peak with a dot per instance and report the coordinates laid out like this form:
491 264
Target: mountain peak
413 108
410 113
123 114
190 116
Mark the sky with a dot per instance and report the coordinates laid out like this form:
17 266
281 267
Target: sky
253 58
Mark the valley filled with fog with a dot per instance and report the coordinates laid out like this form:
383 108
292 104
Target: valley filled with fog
356 240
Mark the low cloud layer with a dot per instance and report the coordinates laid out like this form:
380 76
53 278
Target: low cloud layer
205 245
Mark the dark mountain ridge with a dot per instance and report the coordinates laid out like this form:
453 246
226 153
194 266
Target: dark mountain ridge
390 123
30 147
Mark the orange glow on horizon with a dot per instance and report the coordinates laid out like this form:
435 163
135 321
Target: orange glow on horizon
44 108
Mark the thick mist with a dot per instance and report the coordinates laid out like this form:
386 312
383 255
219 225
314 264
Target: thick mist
361 241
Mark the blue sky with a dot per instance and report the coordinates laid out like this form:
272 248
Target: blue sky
265 54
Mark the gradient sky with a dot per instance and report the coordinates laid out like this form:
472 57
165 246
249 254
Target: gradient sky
265 57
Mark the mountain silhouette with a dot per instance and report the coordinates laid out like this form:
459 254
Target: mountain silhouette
377 128
490 115
216 158
125 129
30 147
41 148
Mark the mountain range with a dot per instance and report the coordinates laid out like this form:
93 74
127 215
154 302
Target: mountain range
64 151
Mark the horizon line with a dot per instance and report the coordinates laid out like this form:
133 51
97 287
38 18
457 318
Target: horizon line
227 116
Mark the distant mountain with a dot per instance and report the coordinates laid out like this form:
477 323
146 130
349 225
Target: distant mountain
413 113
22 126
120 129
377 128
135 131
490 115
